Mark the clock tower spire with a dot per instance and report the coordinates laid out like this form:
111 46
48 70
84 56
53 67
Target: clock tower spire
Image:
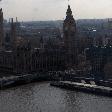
69 30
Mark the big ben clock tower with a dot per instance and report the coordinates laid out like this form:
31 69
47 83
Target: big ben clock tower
69 30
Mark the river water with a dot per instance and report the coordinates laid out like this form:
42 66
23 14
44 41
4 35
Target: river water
41 97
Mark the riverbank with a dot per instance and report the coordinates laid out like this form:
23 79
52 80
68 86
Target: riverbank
7 82
88 88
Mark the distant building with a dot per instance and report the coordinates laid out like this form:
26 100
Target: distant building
99 57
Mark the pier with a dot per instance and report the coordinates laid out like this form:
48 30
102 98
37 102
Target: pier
88 88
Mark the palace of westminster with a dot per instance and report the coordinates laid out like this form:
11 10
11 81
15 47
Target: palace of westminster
19 58
22 58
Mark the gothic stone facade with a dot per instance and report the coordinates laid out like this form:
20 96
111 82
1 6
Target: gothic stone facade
69 30
24 59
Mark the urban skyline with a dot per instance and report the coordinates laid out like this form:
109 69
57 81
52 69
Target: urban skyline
38 57
47 10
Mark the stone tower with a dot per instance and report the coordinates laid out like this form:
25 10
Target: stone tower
1 29
13 34
69 30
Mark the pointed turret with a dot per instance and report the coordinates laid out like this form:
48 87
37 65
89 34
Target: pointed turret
69 11
69 17
1 29
13 34
16 20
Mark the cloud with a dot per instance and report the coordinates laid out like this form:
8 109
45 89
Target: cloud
55 9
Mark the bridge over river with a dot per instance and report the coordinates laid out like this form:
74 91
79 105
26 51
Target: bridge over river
41 97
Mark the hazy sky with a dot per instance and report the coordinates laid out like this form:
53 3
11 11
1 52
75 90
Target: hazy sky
56 9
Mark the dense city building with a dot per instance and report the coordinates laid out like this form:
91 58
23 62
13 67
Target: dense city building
100 58
27 49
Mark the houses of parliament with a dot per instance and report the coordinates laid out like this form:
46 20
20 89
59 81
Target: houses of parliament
18 58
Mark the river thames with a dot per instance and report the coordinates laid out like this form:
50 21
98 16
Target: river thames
41 97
